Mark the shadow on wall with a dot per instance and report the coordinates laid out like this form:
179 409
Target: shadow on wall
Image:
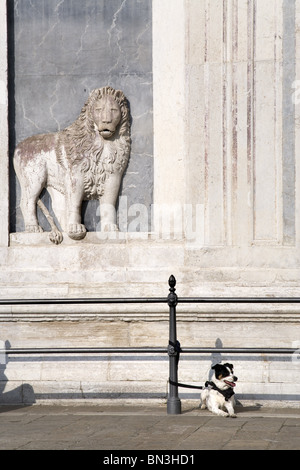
23 394
216 358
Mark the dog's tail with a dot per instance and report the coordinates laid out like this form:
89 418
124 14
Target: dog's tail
55 236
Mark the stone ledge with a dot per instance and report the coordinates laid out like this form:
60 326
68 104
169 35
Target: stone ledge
25 238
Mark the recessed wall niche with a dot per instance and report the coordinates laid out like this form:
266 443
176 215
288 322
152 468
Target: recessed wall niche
61 50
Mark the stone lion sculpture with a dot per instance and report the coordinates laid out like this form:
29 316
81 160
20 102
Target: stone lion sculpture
84 161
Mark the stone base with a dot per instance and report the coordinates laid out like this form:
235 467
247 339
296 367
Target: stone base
132 377
33 268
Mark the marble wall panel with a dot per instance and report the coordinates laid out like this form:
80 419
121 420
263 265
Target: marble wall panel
241 70
59 50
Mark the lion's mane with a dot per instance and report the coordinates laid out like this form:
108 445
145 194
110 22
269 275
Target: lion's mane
80 144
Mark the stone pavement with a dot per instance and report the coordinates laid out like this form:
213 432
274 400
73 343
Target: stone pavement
146 427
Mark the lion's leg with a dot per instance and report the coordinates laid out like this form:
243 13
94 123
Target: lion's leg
108 215
28 206
29 215
32 183
76 230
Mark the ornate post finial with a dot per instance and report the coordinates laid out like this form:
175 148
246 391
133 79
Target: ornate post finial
172 283
172 297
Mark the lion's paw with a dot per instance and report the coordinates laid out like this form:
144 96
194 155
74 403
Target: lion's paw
33 229
110 228
77 231
56 237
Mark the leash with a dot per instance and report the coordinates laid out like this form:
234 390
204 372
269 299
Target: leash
177 384
226 393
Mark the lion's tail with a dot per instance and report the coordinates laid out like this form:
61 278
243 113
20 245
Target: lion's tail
55 234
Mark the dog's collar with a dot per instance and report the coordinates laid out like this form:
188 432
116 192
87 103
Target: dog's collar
226 393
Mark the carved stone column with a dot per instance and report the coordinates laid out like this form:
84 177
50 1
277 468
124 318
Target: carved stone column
241 129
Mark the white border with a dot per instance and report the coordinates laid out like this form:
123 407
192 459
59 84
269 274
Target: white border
4 153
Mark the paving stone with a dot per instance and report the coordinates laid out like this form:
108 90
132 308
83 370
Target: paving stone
145 428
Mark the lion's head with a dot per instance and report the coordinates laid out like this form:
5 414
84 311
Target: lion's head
106 113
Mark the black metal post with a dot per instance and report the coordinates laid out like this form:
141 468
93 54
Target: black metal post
173 402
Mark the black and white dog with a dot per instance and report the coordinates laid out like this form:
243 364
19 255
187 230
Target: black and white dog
218 395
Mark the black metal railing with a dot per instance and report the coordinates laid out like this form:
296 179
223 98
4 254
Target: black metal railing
173 349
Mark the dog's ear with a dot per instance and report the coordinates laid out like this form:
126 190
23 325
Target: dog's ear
217 368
